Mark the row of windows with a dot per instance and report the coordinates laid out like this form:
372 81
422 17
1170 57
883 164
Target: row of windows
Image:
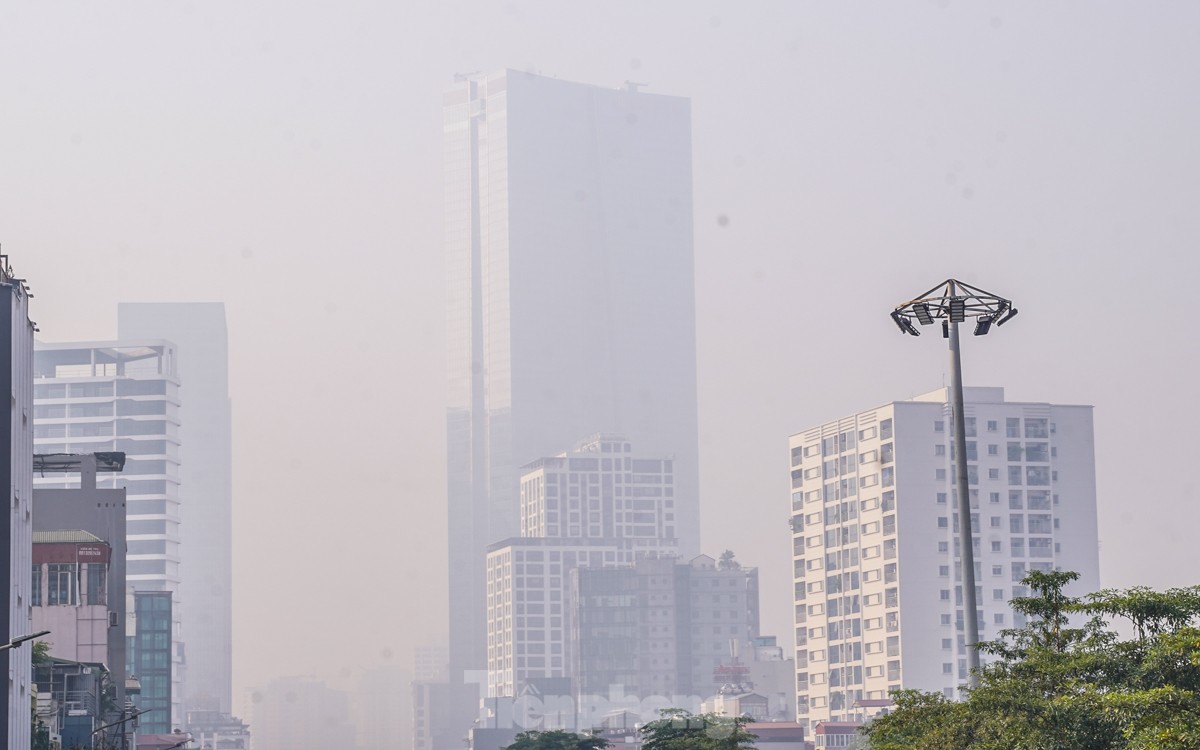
100 390
1035 427
62 584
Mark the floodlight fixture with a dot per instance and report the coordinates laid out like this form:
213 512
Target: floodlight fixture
904 324
952 302
1007 316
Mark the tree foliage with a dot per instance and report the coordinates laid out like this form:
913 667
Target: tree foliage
556 739
728 561
682 730
1068 681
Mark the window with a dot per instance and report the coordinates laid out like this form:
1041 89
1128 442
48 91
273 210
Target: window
940 475
866 434
992 426
997 570
993 497
998 594
943 522
1014 476
1037 476
1037 428
945 595
939 450
1039 523
35 599
1012 427
995 521
885 429
939 426
993 449
995 546
941 497
97 585
1041 547
993 473
1016 523
62 589
998 618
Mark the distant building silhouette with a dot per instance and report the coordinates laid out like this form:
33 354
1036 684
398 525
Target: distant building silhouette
570 301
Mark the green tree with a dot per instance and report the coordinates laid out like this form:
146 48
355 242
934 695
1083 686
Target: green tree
678 729
556 739
1068 682
727 561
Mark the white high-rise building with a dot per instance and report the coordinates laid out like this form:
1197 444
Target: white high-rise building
598 505
570 301
123 396
878 593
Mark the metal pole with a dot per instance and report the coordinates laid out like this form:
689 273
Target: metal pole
966 534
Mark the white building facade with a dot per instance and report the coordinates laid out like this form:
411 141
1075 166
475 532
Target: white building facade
123 396
597 505
878 593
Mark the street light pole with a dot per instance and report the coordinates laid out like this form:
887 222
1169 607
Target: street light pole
16 642
951 302
966 534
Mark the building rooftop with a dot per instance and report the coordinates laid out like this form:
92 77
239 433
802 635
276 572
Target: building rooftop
71 536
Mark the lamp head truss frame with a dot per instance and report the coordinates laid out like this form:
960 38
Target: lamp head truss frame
952 301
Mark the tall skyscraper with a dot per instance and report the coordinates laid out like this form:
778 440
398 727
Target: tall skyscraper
16 523
206 473
570 300
878 591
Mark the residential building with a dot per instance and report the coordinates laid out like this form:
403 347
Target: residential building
216 730
70 700
597 505
878 593
123 396
772 673
94 512
199 333
70 595
16 522
659 627
570 271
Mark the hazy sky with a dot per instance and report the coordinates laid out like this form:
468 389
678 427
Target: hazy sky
284 157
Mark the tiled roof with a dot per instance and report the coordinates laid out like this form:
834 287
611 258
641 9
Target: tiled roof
72 536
